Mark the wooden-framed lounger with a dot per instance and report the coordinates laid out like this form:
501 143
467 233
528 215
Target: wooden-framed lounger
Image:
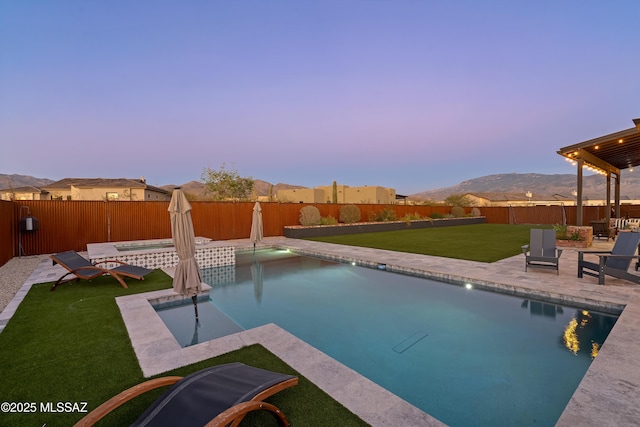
81 268
217 396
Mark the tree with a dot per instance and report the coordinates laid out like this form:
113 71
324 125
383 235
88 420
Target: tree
226 184
459 200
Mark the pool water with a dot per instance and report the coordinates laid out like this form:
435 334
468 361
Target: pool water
465 356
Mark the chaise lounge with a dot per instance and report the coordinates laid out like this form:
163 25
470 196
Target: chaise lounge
615 262
82 268
217 396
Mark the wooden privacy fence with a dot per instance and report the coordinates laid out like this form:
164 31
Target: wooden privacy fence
65 225
7 231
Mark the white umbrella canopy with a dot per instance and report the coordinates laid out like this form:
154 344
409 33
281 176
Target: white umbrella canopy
256 225
186 280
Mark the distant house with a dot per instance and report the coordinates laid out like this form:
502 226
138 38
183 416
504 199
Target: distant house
524 199
122 189
345 194
24 193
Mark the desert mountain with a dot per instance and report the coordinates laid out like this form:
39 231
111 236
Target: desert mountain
594 186
17 181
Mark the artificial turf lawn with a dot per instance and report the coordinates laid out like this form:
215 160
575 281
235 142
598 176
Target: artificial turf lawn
71 345
477 242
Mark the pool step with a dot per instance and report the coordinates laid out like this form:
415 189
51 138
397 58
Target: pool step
409 342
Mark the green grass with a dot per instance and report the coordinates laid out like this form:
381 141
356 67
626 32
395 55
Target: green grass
478 242
71 345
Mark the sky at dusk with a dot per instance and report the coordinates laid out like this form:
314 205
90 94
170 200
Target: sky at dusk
410 94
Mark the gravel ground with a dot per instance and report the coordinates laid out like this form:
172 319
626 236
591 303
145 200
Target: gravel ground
13 275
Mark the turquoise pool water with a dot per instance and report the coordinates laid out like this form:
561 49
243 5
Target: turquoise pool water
467 357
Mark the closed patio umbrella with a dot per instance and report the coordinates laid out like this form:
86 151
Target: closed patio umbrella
186 280
256 225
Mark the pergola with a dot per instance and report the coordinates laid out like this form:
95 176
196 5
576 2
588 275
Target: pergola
606 155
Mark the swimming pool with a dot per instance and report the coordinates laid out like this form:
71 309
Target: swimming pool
465 356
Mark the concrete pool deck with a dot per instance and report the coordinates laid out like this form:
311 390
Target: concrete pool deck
608 394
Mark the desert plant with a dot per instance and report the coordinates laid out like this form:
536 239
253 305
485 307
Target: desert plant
561 231
386 214
310 215
328 220
475 212
349 214
411 217
575 236
372 216
436 215
457 211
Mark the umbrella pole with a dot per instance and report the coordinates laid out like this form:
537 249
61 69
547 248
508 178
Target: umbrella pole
195 305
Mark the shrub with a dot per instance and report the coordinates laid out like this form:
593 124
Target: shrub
436 215
387 214
310 215
411 217
328 220
349 214
372 216
457 211
475 212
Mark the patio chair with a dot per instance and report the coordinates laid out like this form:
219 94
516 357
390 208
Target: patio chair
541 252
603 229
615 262
82 268
217 396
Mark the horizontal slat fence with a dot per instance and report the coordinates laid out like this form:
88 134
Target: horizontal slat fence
65 225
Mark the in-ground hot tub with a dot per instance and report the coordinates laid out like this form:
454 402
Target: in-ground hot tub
160 253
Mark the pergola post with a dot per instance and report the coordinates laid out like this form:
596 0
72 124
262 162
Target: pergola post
607 213
579 195
617 196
